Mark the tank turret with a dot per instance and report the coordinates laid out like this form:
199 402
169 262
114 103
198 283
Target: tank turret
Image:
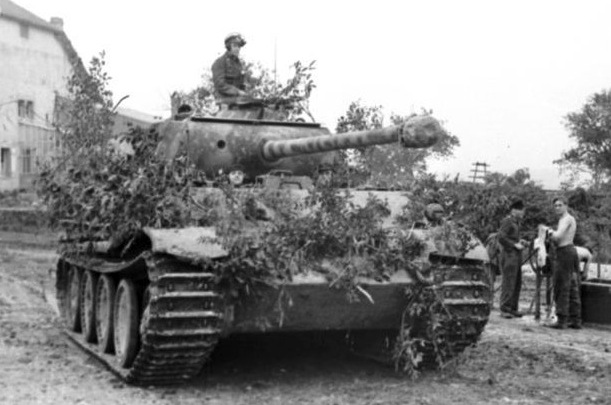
257 147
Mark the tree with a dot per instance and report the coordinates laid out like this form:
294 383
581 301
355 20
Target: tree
591 129
96 190
86 119
481 207
388 165
575 175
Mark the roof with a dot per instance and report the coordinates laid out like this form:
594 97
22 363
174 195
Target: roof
10 10
15 12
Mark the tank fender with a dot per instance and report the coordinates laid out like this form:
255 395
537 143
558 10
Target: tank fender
186 243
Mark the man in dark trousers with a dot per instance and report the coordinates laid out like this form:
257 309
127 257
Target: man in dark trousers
566 270
511 260
228 71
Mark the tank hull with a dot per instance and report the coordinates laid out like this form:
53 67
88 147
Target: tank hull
315 306
182 313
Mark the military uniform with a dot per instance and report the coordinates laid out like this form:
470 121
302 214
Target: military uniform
511 259
228 77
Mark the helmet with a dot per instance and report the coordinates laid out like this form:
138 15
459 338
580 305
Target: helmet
432 209
234 36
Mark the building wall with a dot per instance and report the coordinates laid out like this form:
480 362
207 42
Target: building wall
31 69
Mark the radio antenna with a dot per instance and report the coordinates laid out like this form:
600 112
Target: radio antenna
275 59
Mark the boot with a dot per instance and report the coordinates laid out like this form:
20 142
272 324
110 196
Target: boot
575 324
560 323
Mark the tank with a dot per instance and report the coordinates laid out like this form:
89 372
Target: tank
155 317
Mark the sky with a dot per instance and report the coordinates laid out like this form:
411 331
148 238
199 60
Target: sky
500 75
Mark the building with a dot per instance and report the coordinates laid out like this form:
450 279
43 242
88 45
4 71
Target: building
36 61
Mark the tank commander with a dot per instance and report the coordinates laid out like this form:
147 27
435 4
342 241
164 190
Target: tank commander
228 71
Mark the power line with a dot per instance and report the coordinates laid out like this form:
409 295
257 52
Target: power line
480 170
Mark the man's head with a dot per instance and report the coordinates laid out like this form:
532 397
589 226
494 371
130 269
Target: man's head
434 212
560 205
517 208
233 43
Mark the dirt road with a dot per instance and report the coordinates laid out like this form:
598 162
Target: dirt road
516 362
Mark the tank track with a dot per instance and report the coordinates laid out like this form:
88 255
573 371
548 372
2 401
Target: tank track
464 293
462 304
179 327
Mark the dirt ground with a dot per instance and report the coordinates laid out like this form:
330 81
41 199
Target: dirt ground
515 362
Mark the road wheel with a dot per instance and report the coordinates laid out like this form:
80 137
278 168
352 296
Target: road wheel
105 298
88 289
126 323
73 302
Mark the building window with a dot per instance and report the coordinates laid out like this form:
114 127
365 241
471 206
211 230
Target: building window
26 161
5 162
25 109
24 30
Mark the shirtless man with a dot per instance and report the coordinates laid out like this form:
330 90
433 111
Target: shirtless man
566 271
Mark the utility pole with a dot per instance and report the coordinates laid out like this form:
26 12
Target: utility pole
480 170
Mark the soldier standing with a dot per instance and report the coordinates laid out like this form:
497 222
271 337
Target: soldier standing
228 71
511 260
566 269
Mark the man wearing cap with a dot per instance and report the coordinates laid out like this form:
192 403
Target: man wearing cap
511 260
566 269
228 71
434 214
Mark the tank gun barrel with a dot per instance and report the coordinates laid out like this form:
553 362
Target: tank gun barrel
418 132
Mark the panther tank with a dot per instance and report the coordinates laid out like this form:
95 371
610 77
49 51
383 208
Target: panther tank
155 316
